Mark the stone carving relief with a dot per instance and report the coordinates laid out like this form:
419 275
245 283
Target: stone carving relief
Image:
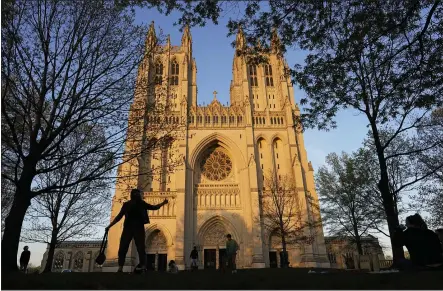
156 242
215 236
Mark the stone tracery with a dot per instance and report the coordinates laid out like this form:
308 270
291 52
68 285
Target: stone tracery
216 164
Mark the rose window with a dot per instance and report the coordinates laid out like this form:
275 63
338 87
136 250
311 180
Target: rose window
216 165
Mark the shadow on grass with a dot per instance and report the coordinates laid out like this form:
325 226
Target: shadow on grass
244 279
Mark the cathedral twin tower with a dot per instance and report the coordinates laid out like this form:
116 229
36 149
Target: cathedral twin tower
225 152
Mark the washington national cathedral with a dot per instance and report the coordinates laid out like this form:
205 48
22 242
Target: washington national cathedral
227 150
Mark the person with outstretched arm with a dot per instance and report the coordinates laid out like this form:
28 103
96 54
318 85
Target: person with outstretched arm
135 213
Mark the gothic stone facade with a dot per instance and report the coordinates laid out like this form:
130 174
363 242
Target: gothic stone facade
226 150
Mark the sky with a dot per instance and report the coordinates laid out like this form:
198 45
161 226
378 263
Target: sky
214 54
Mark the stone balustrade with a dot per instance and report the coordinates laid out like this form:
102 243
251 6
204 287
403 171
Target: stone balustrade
385 264
156 197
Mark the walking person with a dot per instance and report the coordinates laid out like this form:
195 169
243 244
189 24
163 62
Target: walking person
194 259
231 253
24 259
135 212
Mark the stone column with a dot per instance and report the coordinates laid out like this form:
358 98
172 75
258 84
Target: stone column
375 263
156 261
217 256
91 263
87 263
70 263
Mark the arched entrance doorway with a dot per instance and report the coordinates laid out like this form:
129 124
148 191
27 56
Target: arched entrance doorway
156 251
212 241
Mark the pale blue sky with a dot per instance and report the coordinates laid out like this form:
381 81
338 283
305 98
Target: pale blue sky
214 54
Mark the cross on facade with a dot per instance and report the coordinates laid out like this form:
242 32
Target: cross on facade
215 94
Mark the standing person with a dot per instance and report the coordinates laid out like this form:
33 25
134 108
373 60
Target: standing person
231 252
135 212
194 259
24 259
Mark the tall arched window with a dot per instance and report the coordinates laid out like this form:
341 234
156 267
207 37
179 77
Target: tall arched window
268 76
78 261
59 259
174 73
158 73
253 75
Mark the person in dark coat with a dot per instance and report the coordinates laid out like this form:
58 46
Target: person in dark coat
422 243
135 213
24 259
194 259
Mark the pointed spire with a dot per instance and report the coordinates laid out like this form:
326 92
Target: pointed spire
186 38
168 42
240 41
151 38
275 41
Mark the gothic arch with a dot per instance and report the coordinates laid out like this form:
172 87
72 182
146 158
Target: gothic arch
259 137
225 142
78 261
163 229
58 261
279 136
216 228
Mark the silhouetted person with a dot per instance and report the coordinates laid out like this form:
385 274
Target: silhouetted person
135 212
172 267
24 259
439 233
423 244
194 258
231 253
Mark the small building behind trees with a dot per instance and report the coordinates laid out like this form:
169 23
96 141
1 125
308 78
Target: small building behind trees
341 251
78 256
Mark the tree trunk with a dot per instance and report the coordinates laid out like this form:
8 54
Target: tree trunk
13 227
388 198
284 259
51 250
357 236
358 244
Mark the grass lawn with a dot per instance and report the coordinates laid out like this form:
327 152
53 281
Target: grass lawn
244 279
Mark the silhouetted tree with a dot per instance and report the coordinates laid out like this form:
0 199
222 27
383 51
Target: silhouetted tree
65 65
76 209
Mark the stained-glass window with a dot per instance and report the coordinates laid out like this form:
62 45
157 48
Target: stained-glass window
58 261
78 261
216 164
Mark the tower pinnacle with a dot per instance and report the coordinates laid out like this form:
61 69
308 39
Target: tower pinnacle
240 41
151 38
